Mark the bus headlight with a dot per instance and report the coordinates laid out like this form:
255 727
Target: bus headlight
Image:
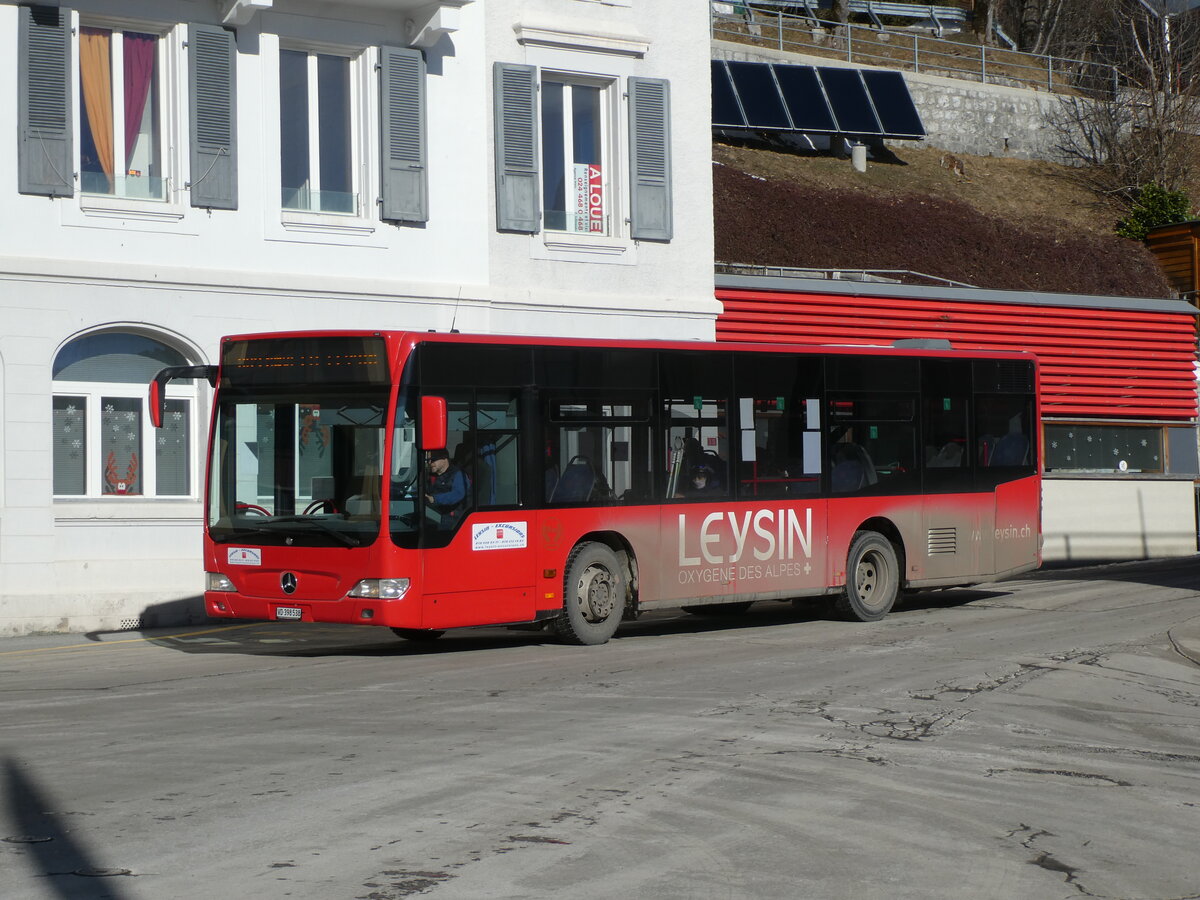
381 588
218 582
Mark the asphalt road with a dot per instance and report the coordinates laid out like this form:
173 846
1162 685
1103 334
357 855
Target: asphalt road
1039 739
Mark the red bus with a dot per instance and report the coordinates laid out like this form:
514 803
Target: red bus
427 481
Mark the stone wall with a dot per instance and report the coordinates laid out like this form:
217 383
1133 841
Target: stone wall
959 116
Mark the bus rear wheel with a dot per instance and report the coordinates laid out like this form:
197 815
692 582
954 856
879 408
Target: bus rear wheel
594 594
872 578
420 635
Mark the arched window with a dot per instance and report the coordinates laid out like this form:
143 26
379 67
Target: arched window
103 442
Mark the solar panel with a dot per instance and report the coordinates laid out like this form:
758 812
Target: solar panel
893 103
830 100
756 88
851 104
805 100
725 109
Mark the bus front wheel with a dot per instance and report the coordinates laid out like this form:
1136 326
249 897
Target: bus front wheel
872 578
594 592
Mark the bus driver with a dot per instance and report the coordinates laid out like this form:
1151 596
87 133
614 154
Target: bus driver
446 491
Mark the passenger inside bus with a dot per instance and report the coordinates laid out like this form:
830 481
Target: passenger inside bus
701 481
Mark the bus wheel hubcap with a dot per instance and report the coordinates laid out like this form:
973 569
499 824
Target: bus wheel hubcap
867 577
596 594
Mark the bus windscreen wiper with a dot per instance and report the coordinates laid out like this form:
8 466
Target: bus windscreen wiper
346 539
238 530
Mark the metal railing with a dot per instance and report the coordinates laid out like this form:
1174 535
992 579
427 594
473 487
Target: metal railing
905 49
886 276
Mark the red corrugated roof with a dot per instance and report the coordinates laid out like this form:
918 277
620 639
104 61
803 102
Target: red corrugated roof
1095 363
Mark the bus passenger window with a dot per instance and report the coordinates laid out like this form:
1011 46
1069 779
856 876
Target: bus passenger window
780 447
945 426
1003 425
495 464
872 445
698 464
597 448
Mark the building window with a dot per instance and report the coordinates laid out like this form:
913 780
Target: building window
103 445
316 130
558 142
1104 449
575 168
120 115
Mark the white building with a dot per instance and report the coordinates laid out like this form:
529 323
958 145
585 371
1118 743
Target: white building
185 169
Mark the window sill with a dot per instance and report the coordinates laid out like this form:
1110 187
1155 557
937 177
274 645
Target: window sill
99 211
127 511
1069 475
324 228
565 246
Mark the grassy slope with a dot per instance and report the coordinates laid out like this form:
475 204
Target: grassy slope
1003 224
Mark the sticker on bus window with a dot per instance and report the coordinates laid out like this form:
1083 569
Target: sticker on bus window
500 536
244 556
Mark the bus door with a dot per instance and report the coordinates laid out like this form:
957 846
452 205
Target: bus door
478 556
955 515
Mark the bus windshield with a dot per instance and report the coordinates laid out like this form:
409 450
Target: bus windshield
299 463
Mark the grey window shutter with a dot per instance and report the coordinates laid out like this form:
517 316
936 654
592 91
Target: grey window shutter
517 181
212 96
45 130
650 159
404 187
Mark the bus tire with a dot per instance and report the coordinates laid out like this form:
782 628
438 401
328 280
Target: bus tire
594 595
719 609
420 635
872 578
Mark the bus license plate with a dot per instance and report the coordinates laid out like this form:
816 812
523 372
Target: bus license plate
291 613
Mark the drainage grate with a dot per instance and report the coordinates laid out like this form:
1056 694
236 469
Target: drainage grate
133 624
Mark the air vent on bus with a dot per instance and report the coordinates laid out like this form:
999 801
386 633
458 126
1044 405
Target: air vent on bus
942 541
1003 376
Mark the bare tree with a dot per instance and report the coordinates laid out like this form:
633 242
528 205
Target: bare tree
983 18
1142 130
1046 26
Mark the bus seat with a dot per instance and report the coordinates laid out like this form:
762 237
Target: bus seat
1010 450
576 483
852 468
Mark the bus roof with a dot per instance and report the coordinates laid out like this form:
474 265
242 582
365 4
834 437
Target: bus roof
412 338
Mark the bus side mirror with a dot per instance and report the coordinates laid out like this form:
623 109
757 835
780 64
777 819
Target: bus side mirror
158 403
158 387
433 423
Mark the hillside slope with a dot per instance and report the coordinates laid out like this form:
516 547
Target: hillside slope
1003 223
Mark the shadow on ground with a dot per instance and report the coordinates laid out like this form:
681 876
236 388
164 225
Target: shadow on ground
1175 572
63 865
307 640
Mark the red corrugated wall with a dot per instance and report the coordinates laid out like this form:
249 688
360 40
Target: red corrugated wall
1095 363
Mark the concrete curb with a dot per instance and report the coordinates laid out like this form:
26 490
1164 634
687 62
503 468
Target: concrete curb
1186 639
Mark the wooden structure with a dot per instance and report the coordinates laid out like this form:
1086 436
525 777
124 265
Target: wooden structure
1178 250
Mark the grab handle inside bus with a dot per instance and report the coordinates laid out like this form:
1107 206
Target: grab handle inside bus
433 423
158 387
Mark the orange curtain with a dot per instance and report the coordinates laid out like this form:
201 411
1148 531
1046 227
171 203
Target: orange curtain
95 75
